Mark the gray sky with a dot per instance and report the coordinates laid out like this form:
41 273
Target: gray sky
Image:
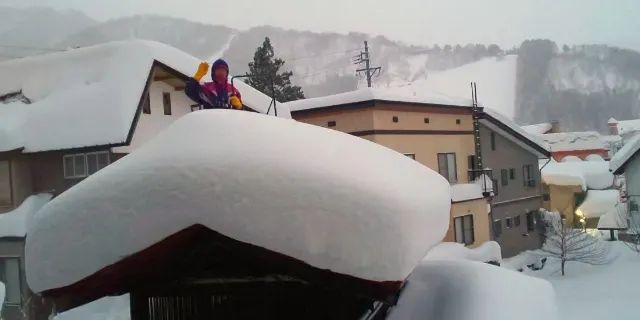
505 22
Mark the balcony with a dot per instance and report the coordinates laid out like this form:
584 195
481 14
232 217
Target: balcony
483 177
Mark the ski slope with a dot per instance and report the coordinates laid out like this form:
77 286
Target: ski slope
495 78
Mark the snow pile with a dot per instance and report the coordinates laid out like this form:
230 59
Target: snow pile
14 223
588 174
466 191
540 128
598 202
457 290
571 159
107 308
277 183
401 94
488 251
625 153
595 158
614 219
96 88
570 141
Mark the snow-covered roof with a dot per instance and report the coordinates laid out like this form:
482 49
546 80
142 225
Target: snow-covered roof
87 96
587 174
14 223
620 158
457 290
518 132
540 128
571 141
486 252
466 191
628 126
264 185
598 203
612 120
393 94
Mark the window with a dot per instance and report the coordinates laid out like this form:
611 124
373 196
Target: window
546 197
494 183
527 176
504 177
331 124
463 229
146 104
166 103
508 223
497 228
512 174
447 166
493 141
411 155
83 164
10 276
395 118
5 184
531 221
516 220
426 120
458 121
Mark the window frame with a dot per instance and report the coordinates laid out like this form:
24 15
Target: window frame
463 237
166 103
9 183
531 221
504 177
497 232
86 163
516 221
20 284
446 162
493 141
527 176
512 173
508 222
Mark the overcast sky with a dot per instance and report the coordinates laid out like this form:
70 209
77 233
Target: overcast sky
505 22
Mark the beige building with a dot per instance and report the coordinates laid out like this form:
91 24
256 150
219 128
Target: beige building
438 135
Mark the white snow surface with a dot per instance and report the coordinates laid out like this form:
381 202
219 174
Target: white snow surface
87 96
466 191
107 308
2 293
540 128
588 174
616 219
402 94
628 126
594 158
266 184
515 127
599 202
570 141
487 251
460 290
571 159
14 223
625 153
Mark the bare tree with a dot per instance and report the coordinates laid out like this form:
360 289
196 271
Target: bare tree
567 243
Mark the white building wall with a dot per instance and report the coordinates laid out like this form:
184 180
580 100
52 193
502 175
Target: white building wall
149 125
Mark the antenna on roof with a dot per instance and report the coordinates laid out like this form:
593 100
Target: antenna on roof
273 93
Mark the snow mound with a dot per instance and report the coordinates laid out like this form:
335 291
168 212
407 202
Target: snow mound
488 251
614 219
625 153
628 126
571 159
279 184
400 94
571 141
107 308
538 129
595 158
14 223
598 203
457 290
96 88
588 174
466 191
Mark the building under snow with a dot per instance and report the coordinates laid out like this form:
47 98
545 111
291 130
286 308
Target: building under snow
65 116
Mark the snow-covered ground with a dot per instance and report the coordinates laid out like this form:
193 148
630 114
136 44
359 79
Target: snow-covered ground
595 291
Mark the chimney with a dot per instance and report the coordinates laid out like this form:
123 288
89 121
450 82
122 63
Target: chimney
555 126
613 127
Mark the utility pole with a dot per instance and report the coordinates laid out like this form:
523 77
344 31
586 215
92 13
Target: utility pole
475 109
368 70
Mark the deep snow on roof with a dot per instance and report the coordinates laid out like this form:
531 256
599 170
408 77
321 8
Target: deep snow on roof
87 96
399 94
264 185
624 154
571 141
515 127
14 223
540 128
628 126
587 174
598 203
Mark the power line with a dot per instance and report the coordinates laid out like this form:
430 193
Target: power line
292 58
368 70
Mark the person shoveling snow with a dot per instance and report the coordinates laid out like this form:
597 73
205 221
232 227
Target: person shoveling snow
216 94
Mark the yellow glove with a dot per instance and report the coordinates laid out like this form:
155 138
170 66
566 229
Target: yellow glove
235 102
203 68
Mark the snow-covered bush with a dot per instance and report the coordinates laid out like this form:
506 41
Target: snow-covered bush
570 244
